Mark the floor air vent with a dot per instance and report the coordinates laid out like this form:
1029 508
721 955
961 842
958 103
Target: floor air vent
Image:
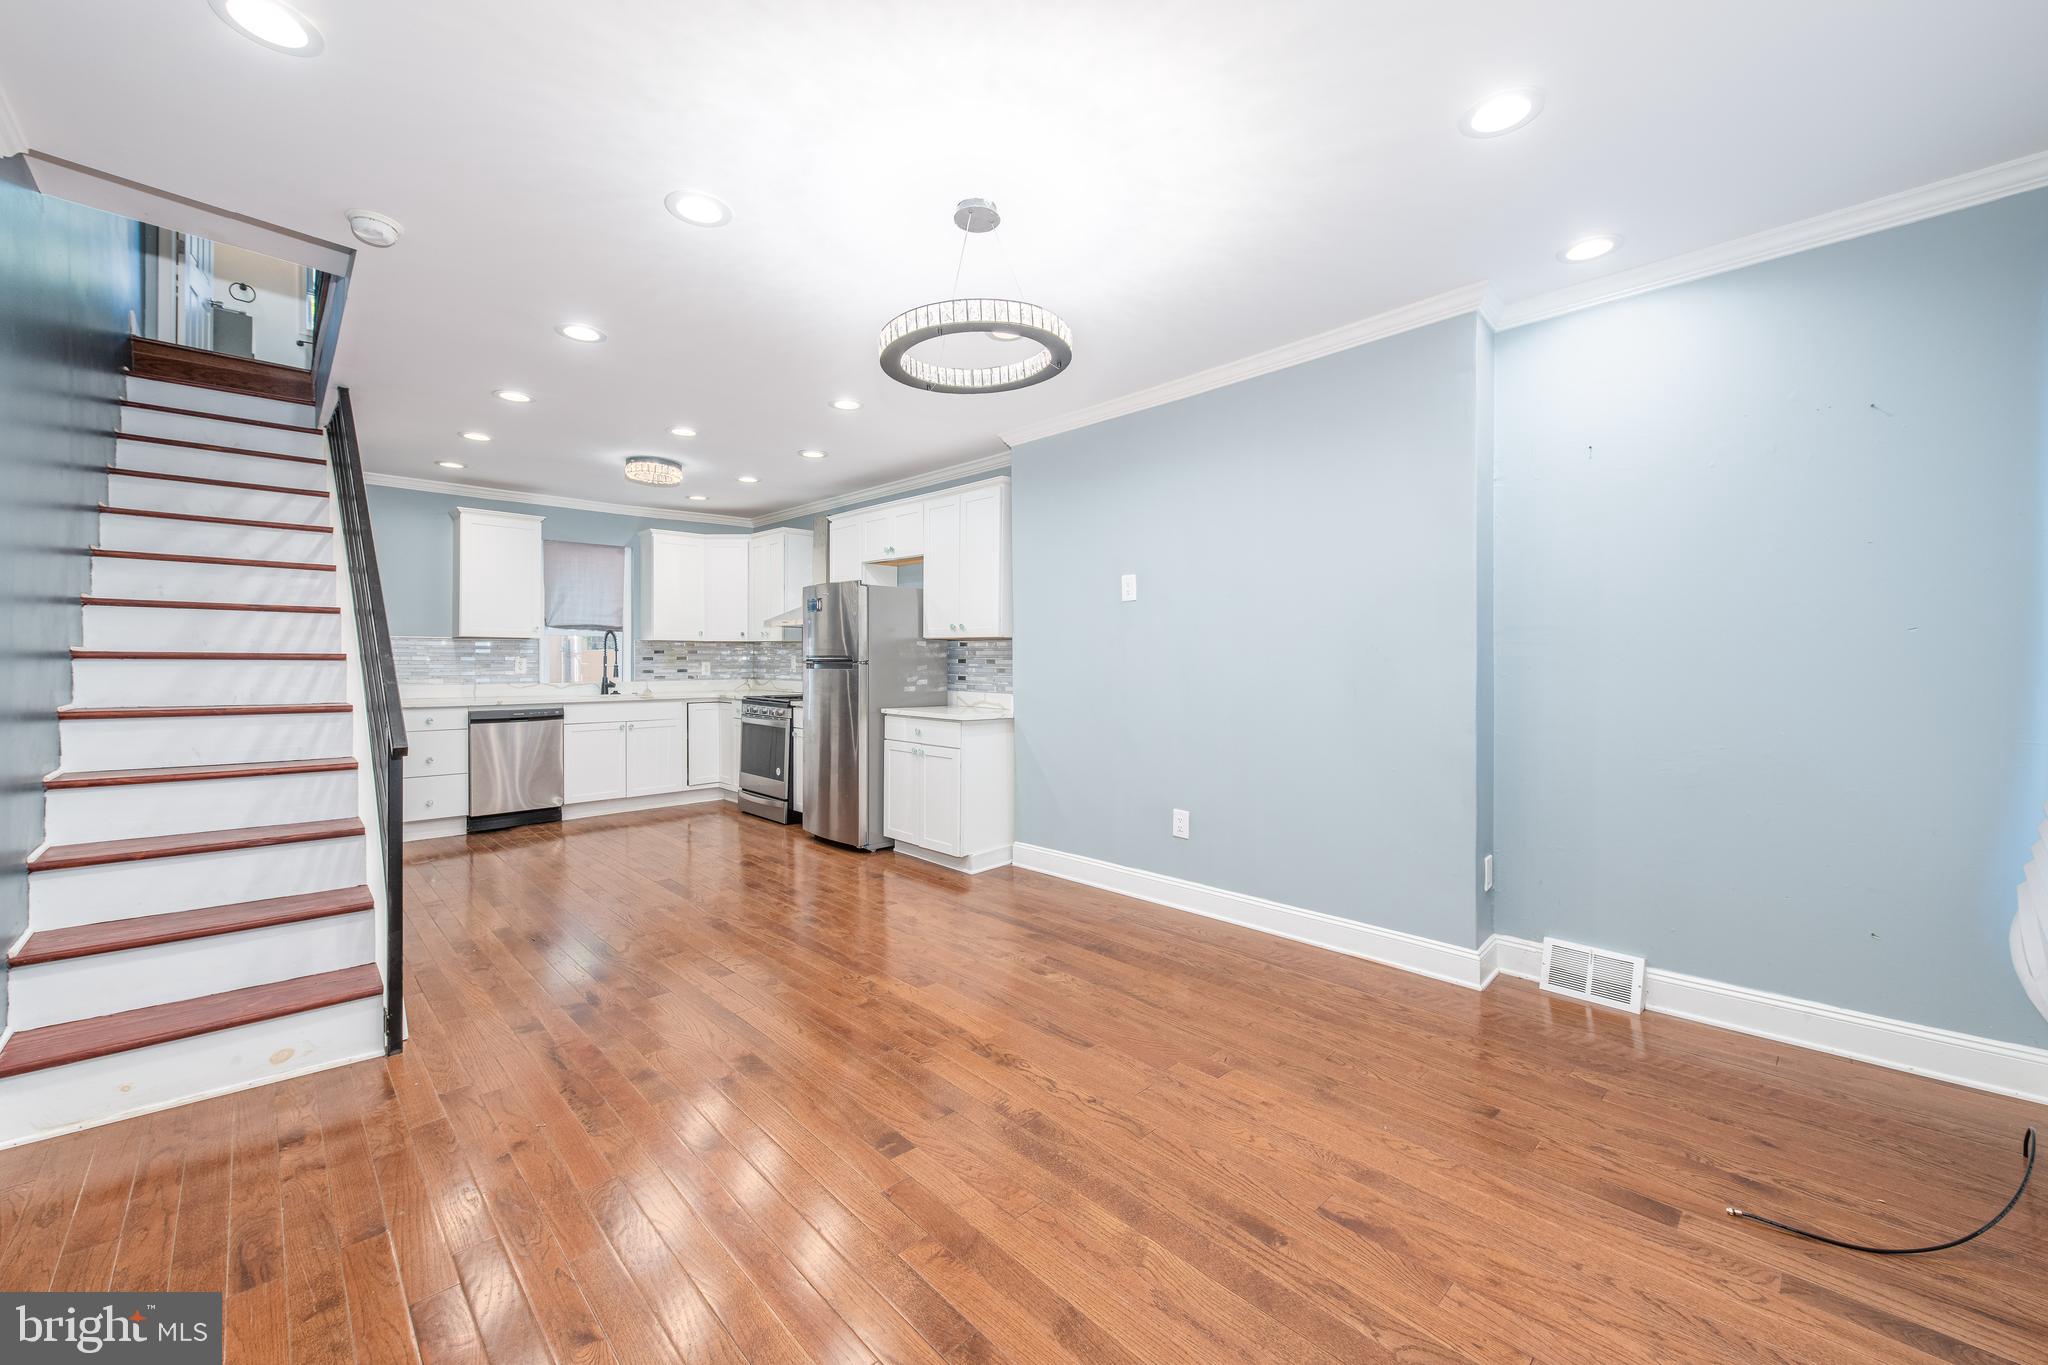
1593 975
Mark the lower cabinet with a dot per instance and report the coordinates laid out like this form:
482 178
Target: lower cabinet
796 769
947 788
607 759
436 771
714 744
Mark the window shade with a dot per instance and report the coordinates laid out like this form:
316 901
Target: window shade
586 585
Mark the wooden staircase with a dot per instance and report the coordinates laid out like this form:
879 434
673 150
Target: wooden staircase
200 912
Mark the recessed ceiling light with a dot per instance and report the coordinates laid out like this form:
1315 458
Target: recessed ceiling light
475 436
682 431
515 396
699 209
698 497
449 464
580 331
847 404
749 478
1502 113
653 469
278 27
1588 249
812 454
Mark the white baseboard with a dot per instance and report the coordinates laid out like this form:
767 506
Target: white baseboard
696 796
1981 1063
974 862
1943 1054
1410 952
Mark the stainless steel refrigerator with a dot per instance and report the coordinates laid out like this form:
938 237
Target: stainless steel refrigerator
863 650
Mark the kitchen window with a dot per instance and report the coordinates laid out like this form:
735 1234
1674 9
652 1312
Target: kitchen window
589 589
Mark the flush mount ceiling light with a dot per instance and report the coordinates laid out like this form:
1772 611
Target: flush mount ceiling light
475 436
374 229
278 27
812 454
699 209
1502 113
682 431
987 316
580 331
449 464
1588 249
847 404
653 469
515 396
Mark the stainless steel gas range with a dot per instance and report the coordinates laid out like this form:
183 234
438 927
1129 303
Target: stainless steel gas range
767 757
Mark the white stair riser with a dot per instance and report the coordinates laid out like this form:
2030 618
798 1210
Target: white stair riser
196 399
109 983
42 1103
174 581
157 886
180 741
206 500
206 682
80 815
205 628
176 426
217 464
163 535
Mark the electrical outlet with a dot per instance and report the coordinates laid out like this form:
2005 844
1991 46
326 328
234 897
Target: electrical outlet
1130 587
1180 824
1488 865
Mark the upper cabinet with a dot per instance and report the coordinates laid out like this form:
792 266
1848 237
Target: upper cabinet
778 571
963 537
499 581
699 587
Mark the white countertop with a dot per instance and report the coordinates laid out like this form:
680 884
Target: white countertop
416 695
956 713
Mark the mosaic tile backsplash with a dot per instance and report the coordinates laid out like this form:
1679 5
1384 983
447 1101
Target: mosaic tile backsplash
970 665
437 659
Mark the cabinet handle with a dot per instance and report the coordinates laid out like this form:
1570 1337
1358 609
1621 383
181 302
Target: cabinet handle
430 763
430 804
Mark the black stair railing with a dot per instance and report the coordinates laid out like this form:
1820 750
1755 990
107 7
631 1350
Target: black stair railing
380 689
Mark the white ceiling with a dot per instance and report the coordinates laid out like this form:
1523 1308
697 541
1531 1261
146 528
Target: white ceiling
1185 184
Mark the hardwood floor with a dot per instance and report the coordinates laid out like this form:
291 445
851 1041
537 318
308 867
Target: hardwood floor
692 1087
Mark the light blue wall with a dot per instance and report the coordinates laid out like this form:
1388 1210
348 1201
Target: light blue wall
416 547
1770 620
1299 670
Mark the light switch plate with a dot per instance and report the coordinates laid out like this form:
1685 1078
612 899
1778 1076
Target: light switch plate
1489 872
1130 588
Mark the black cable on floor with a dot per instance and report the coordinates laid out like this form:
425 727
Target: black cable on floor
2026 1150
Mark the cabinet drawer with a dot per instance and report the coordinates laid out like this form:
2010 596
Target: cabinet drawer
436 798
436 718
919 731
436 752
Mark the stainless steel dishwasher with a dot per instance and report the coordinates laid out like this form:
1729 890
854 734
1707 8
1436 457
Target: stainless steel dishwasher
515 766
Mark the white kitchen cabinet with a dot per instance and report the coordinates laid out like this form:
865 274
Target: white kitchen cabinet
669 595
708 759
726 609
842 550
435 782
796 768
593 761
500 591
967 563
655 759
942 616
729 752
947 790
778 571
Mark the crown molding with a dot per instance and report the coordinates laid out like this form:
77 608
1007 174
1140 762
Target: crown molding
909 484
1472 298
1893 210
12 140
618 509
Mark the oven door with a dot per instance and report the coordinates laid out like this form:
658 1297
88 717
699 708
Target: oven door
764 755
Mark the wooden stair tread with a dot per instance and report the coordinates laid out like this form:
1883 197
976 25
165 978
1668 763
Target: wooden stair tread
198 772
224 450
166 712
101 553
122 472
109 510
216 655
211 417
178 926
168 362
176 605
84 1039
63 856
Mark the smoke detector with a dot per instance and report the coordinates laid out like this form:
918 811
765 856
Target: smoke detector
374 229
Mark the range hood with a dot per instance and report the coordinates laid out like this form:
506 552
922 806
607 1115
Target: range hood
793 619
